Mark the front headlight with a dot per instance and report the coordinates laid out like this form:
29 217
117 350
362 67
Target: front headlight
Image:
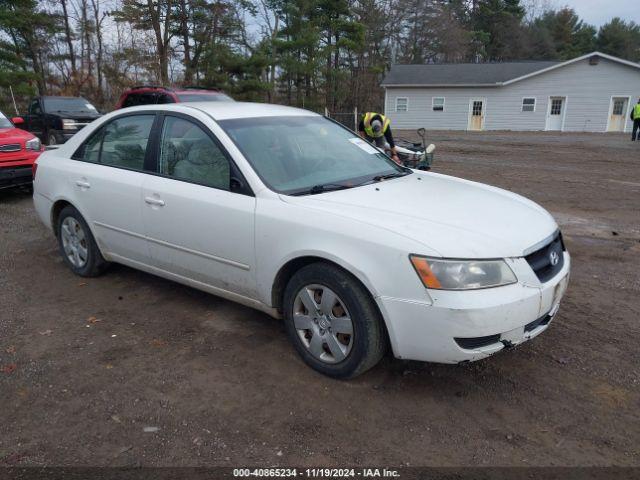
442 274
69 124
33 144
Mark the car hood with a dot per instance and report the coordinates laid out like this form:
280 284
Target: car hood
451 217
14 135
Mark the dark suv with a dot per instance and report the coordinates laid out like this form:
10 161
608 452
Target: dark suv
56 119
153 94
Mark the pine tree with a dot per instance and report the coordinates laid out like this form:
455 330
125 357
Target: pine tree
620 39
28 30
560 35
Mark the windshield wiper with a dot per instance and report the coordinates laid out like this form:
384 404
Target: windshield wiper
326 187
379 178
330 187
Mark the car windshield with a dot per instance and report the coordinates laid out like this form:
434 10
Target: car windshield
4 121
204 97
72 105
292 155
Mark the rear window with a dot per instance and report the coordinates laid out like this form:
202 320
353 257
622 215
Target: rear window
146 98
204 97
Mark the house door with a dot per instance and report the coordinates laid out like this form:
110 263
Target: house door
555 114
618 114
476 114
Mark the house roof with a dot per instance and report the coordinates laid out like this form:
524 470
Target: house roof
477 74
460 74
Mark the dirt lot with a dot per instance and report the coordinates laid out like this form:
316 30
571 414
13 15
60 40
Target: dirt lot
89 365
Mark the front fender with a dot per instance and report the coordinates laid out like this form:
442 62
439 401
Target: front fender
377 257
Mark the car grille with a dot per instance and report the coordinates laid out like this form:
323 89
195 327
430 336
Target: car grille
477 342
10 147
542 260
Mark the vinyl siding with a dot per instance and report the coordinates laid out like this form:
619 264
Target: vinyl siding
588 90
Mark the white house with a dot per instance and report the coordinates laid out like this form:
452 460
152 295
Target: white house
592 93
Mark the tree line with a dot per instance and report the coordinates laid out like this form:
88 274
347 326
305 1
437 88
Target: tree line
314 54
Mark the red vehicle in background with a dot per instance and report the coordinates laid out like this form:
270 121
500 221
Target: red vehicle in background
18 152
153 94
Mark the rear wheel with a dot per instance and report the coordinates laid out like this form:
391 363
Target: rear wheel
52 139
77 245
333 322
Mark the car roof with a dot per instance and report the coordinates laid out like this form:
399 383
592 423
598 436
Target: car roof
160 88
225 110
232 110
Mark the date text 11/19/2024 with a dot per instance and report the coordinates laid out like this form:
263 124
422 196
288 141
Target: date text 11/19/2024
316 473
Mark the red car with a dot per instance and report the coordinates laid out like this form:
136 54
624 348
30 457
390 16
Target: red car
18 152
153 94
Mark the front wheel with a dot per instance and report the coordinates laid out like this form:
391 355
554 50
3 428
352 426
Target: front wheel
333 322
52 139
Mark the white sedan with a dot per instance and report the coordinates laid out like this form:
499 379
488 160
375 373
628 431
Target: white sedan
288 212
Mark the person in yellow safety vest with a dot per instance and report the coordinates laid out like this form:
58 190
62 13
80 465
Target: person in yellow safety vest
376 128
635 116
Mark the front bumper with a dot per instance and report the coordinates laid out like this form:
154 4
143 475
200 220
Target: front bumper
15 176
486 321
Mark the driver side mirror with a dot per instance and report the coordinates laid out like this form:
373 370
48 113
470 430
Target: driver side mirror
17 121
236 185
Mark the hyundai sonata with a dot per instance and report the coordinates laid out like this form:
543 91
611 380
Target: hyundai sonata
288 212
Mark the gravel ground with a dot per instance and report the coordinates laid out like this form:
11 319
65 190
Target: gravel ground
129 369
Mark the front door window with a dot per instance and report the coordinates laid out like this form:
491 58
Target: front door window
618 106
477 108
477 115
188 153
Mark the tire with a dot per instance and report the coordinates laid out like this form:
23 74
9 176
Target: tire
51 139
77 245
357 352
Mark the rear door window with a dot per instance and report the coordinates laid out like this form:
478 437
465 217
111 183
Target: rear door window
125 140
120 143
91 150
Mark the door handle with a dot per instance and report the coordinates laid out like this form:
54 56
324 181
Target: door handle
154 201
83 184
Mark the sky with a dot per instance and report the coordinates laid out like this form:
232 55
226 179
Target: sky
597 12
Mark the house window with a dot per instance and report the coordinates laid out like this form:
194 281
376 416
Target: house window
402 104
529 104
438 104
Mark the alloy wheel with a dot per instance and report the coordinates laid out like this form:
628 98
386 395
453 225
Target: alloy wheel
74 242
